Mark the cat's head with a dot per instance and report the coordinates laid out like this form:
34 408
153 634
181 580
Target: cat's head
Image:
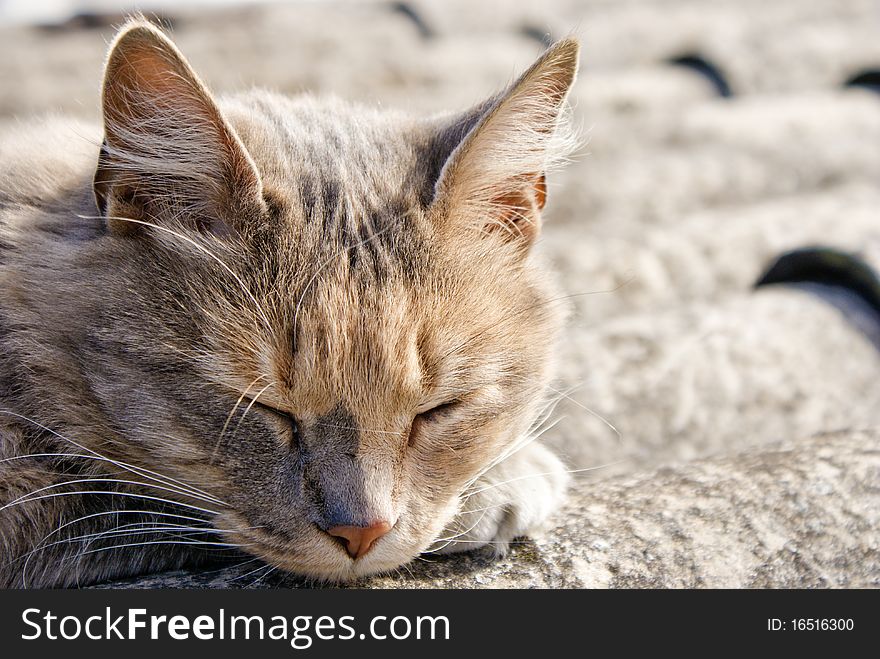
327 316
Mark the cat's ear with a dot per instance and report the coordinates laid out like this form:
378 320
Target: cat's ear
168 153
495 176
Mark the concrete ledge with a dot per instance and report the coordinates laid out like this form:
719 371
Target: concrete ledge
800 514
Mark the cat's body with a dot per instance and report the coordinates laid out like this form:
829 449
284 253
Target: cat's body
303 329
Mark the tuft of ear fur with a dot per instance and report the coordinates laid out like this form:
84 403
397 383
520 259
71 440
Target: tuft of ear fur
168 153
495 177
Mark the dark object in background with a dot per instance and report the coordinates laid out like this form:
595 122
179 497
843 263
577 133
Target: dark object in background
825 265
540 35
706 69
425 30
869 79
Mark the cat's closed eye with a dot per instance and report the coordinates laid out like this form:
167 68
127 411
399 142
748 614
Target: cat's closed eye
431 415
438 411
286 417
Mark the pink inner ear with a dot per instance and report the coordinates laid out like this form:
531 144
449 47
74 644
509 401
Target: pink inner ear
152 82
157 113
519 211
541 191
148 69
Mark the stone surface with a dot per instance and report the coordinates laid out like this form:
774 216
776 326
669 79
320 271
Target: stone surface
800 514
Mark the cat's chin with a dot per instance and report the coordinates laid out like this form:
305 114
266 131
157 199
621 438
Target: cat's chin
342 570
323 559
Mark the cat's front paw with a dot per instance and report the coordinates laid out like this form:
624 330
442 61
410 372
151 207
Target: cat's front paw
511 500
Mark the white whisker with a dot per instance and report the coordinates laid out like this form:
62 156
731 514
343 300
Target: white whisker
545 473
119 494
449 540
594 413
27 497
248 408
140 471
270 569
223 545
232 413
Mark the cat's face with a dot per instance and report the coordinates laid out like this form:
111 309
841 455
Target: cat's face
345 326
405 372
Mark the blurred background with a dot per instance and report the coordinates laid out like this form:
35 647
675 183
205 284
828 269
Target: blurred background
718 135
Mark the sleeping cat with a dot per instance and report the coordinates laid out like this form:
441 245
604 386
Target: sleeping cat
306 330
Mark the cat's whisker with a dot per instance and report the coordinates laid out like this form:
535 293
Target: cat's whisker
526 441
105 513
114 493
509 452
530 437
534 433
542 422
265 574
545 473
492 542
140 471
140 528
142 512
30 456
252 403
136 529
434 550
493 506
543 415
449 540
233 567
108 478
232 413
592 412
224 546
177 533
30 495
126 530
263 566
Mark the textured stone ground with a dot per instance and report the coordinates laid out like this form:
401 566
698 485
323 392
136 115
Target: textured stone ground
740 449
803 514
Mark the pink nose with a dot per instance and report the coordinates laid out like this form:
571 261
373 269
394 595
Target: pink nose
359 539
